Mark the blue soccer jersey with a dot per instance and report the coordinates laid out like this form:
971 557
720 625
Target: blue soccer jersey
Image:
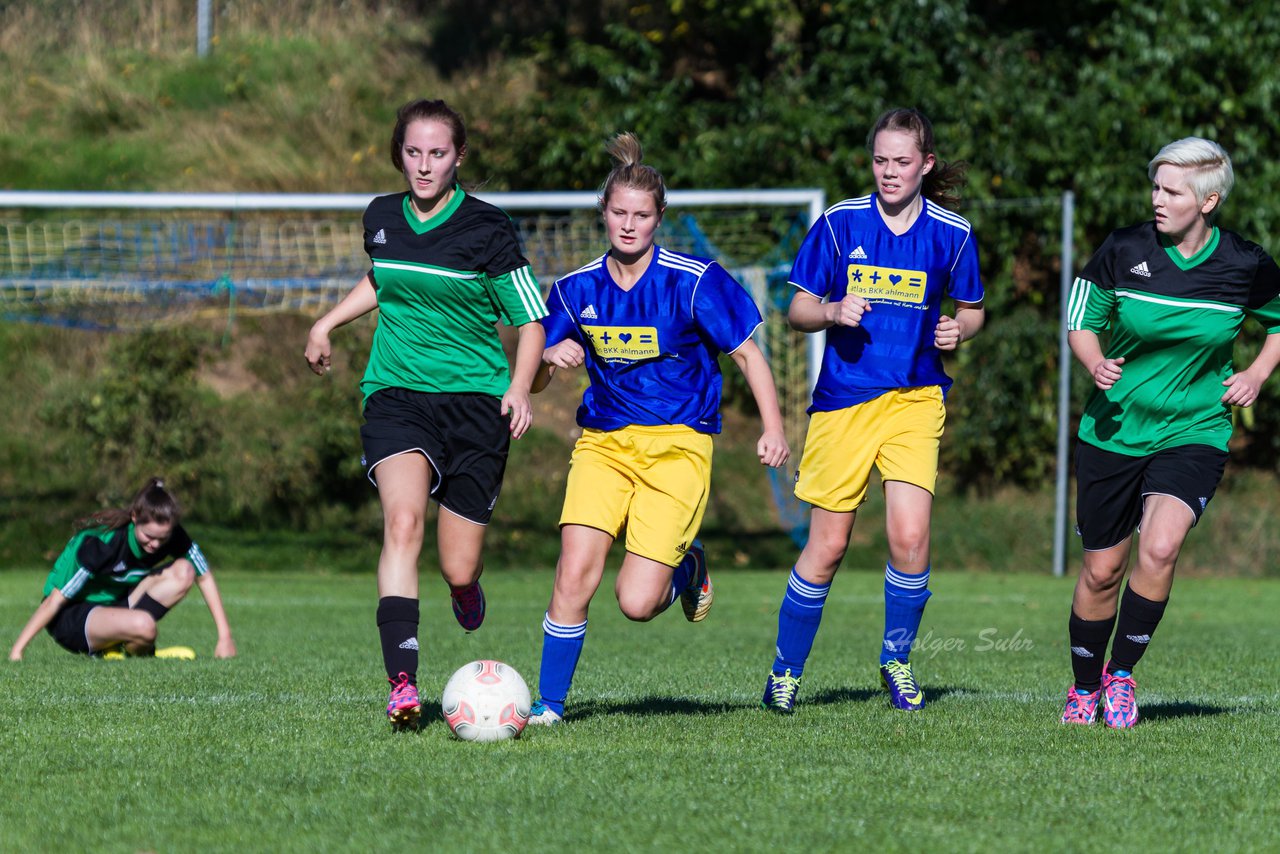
651 351
904 277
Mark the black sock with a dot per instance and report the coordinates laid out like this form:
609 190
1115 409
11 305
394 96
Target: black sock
398 628
1088 647
1139 617
151 606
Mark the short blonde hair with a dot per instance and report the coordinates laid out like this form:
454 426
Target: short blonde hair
1208 163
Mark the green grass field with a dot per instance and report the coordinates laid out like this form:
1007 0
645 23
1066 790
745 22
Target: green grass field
286 747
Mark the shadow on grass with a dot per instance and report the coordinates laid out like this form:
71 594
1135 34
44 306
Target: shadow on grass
650 707
657 706
1172 711
830 696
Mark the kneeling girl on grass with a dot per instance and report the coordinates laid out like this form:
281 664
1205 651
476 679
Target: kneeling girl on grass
117 578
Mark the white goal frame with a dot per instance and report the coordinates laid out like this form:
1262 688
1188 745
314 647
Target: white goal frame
812 200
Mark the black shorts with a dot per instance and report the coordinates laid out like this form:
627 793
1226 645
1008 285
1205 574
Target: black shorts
70 625
1111 487
464 437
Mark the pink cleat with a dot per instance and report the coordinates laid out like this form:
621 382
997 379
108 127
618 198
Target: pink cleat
1082 708
468 605
1121 697
403 708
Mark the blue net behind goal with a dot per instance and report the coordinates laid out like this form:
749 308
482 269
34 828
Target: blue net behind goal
127 270
112 270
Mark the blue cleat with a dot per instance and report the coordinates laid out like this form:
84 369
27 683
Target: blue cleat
540 715
904 691
780 693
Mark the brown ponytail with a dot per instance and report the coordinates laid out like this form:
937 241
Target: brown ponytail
943 182
152 503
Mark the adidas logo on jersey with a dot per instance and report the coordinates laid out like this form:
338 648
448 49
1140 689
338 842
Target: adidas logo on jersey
858 255
380 237
589 313
1141 270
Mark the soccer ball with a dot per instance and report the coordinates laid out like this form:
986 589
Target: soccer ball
486 701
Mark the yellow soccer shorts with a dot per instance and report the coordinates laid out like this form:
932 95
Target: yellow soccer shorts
652 481
897 432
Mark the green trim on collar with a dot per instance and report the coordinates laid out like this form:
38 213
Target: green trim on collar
422 227
1199 258
133 542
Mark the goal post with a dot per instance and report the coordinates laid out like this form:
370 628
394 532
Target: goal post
125 260
121 260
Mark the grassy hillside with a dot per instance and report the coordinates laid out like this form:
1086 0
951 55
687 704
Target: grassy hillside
294 96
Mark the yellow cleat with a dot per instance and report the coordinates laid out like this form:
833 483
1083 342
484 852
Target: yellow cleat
184 653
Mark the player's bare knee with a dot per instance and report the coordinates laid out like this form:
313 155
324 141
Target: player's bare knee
1160 554
909 544
825 553
638 608
910 558
460 573
1101 579
141 627
183 573
574 581
403 528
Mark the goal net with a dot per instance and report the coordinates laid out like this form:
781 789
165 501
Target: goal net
124 261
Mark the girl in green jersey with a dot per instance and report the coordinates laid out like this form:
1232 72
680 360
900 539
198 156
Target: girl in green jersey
1171 295
118 576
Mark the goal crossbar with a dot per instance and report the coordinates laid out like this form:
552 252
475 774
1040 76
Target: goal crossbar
814 200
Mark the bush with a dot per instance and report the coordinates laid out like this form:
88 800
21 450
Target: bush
142 414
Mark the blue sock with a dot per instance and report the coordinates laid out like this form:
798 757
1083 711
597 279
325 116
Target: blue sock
798 621
561 647
904 598
681 576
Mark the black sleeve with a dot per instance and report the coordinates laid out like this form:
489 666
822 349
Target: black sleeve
1101 266
179 543
375 220
1266 279
96 554
502 251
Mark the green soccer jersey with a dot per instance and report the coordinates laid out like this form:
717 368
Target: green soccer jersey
442 285
1174 321
102 565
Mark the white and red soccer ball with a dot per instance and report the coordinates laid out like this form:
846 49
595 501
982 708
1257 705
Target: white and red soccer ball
486 701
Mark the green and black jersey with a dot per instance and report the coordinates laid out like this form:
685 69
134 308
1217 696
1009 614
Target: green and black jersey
102 565
1174 320
442 285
